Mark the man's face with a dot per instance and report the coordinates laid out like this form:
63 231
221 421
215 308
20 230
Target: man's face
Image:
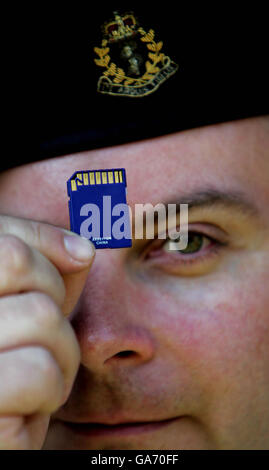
176 341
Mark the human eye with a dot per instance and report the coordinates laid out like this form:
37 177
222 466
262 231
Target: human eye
201 254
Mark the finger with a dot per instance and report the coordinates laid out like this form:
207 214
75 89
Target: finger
23 432
39 321
31 381
69 252
23 268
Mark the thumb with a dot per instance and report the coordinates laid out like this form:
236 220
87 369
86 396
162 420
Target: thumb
74 283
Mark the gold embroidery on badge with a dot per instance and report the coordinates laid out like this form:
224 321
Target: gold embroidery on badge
133 61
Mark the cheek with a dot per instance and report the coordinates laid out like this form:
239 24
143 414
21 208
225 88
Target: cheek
221 344
220 330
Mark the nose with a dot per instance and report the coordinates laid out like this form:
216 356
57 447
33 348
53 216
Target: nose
105 346
110 325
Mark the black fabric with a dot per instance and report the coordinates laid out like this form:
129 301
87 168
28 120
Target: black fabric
222 75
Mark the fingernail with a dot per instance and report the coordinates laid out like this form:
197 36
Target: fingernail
79 248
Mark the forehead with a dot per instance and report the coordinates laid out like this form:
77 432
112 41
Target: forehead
228 156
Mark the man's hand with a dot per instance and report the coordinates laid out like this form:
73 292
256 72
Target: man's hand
40 284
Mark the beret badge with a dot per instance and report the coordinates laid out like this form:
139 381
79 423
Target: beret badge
133 62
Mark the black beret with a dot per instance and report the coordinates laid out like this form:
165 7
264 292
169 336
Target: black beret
134 70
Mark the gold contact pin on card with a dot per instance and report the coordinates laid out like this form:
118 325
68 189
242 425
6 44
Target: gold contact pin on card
79 175
98 177
85 179
116 174
92 178
104 177
110 177
73 185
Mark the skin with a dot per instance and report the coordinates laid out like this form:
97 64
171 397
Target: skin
197 335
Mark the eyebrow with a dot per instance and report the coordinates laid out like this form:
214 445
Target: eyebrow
235 201
208 197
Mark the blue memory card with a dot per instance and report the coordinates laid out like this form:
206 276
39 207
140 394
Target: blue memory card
98 209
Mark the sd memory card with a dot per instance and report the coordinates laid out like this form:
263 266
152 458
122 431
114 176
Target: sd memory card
98 209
